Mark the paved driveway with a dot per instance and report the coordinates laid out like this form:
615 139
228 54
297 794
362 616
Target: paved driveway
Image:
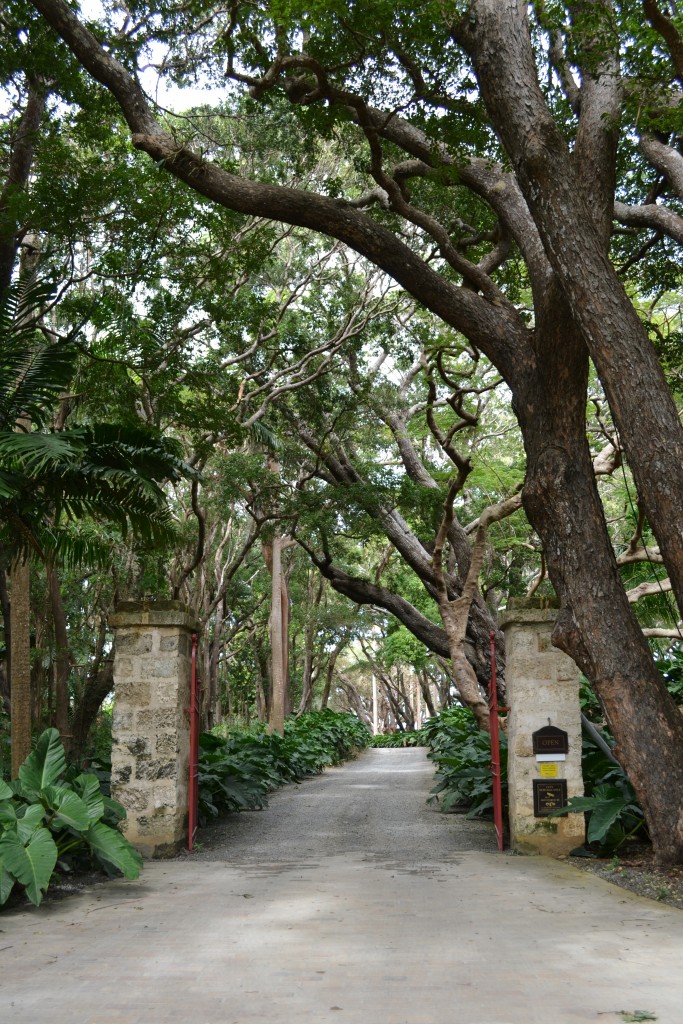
350 901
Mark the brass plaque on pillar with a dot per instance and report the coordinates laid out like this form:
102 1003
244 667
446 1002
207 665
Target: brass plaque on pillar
549 795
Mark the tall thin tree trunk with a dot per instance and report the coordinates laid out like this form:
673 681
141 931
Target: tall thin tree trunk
20 682
19 170
277 649
7 624
284 639
329 673
97 686
62 658
213 688
262 706
427 694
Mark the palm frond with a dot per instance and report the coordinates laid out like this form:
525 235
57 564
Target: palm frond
38 453
33 375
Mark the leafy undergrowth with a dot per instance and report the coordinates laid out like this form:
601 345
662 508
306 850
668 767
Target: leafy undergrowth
55 821
237 772
614 817
417 738
462 755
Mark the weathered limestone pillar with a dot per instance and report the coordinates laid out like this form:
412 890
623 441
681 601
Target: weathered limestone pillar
542 689
150 729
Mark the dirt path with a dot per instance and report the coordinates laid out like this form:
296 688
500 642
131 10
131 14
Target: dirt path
347 900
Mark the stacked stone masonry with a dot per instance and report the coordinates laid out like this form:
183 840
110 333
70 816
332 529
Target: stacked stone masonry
542 688
150 731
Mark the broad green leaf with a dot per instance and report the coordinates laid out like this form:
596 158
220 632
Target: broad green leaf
67 807
576 805
44 765
110 846
603 817
8 814
6 884
88 788
31 865
28 820
114 808
5 791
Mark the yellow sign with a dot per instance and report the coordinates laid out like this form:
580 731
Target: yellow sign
548 769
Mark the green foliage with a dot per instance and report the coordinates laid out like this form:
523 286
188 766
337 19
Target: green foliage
49 820
671 668
401 647
237 772
589 703
32 375
111 472
417 738
462 754
614 814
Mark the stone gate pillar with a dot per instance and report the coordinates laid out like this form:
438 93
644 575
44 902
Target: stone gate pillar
542 690
150 729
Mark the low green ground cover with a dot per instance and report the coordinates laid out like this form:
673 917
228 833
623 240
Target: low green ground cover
54 820
462 755
237 771
417 738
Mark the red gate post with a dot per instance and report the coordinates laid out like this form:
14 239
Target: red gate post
194 710
495 745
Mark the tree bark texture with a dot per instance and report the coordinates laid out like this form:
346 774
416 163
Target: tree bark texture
5 607
99 685
62 663
20 682
279 698
19 169
572 232
596 626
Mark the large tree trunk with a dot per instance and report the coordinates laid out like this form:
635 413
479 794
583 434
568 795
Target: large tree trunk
559 190
20 682
596 626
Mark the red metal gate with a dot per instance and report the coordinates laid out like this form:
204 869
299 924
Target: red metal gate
494 711
195 713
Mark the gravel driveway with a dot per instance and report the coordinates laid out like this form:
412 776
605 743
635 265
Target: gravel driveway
375 806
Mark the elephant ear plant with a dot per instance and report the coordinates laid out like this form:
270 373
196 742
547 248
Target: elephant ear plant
47 820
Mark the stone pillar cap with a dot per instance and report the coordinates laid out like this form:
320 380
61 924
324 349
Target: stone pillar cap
153 613
521 610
